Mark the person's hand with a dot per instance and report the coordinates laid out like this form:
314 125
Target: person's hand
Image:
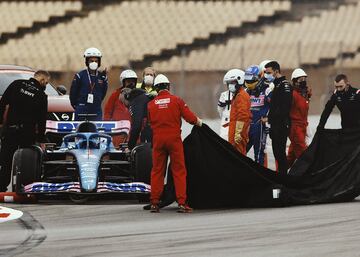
238 129
237 138
42 146
264 119
199 122
103 73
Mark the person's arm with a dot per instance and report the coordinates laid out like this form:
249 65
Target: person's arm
187 114
286 102
242 105
138 113
41 123
5 101
327 111
221 104
109 107
105 88
74 90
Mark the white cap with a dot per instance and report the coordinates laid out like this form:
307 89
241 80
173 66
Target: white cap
127 74
234 74
297 73
161 79
92 52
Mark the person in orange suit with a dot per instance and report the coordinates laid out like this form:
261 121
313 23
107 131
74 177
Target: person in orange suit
240 114
165 112
298 115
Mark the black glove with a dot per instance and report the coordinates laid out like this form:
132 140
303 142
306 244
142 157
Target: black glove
228 102
103 74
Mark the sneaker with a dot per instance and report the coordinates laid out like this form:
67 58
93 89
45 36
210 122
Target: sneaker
184 208
154 208
162 204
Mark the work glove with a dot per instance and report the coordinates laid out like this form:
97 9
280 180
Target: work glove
124 96
199 122
103 74
238 129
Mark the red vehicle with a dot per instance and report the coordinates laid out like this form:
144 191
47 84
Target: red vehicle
59 107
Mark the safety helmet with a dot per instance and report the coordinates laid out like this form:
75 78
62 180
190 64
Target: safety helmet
252 73
234 75
161 82
161 79
262 65
297 73
92 52
127 74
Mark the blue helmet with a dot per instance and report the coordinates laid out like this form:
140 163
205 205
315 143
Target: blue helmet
252 73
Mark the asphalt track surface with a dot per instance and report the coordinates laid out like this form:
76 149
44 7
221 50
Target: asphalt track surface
119 227
122 228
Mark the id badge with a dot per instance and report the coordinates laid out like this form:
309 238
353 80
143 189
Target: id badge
90 99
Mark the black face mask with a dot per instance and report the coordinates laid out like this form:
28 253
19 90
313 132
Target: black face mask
131 85
303 84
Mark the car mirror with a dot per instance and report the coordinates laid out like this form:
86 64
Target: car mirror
61 89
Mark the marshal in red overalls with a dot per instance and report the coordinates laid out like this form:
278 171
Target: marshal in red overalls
165 113
298 114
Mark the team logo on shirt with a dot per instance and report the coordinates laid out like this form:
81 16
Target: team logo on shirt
162 103
257 101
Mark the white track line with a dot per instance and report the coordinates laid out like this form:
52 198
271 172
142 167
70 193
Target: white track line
7 214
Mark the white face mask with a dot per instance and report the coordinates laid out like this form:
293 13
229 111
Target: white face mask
232 88
148 80
93 66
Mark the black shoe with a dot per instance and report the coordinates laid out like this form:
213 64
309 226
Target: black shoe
162 204
147 207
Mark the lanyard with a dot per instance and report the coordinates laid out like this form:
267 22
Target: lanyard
92 85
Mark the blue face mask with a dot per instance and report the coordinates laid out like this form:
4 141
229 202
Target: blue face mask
269 77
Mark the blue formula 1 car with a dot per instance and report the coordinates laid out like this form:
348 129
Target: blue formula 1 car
85 164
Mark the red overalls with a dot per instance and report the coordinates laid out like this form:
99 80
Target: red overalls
298 115
116 110
240 111
165 112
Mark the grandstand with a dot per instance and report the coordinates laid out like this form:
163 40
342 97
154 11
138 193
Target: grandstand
201 38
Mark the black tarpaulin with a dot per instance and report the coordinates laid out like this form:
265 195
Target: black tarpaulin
218 176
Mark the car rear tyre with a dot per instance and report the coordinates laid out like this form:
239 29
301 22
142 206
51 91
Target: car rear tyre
26 168
142 166
143 163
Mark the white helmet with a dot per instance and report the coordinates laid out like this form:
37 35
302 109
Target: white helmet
297 73
262 65
92 52
127 74
234 74
161 79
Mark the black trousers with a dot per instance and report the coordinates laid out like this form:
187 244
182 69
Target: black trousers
11 140
279 134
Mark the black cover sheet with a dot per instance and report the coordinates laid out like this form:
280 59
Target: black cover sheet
218 176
